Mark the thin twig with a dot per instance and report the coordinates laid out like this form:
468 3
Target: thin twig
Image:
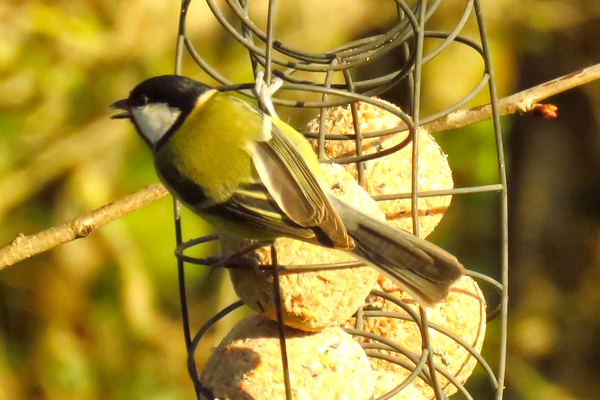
521 102
23 247
26 246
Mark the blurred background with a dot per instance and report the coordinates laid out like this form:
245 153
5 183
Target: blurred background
100 317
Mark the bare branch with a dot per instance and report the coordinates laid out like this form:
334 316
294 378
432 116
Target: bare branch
521 102
23 247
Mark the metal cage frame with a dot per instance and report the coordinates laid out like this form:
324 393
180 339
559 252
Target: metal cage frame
281 60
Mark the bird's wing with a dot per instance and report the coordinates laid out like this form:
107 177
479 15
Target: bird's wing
252 204
291 184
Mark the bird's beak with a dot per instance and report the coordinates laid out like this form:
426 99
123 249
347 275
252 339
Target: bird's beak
121 105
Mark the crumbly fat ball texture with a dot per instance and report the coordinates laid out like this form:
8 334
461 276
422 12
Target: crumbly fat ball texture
391 174
322 365
463 313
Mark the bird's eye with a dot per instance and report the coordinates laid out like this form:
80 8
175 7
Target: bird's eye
140 101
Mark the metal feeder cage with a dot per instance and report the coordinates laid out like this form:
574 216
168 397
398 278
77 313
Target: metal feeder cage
412 46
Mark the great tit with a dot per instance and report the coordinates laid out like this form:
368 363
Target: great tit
254 176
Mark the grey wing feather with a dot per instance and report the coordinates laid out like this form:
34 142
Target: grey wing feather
288 178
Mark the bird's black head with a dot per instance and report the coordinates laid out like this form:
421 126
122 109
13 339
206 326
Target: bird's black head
159 105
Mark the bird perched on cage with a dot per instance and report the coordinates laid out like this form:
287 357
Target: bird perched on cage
254 176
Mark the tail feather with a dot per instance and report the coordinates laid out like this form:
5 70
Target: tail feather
425 270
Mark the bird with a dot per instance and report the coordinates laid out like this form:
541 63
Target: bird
254 176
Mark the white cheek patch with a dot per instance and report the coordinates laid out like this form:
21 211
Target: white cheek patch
155 120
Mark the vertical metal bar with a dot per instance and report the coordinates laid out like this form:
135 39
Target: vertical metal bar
177 214
439 395
269 49
280 324
358 138
416 107
322 115
504 200
275 266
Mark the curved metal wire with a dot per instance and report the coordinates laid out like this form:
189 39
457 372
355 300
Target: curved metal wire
406 35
